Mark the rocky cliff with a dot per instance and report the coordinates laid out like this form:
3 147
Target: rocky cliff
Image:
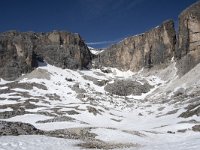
155 47
188 41
19 52
158 46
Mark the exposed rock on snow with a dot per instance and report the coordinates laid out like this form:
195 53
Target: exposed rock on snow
196 128
127 87
192 109
18 128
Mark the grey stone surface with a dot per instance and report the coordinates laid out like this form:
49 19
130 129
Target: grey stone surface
16 54
20 51
77 89
188 43
191 110
196 128
9 114
63 49
18 128
57 119
152 48
127 87
95 80
27 86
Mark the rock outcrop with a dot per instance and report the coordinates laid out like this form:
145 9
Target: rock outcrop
127 87
18 128
155 47
188 43
62 49
16 55
19 52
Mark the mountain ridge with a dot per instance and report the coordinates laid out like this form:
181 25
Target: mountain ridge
155 47
126 55
20 51
63 102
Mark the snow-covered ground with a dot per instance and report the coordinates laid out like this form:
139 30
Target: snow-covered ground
95 51
150 120
33 142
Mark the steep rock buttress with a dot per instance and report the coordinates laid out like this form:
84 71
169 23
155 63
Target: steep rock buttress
155 47
19 52
188 41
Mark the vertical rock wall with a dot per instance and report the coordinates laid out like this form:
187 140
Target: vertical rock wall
152 48
188 42
19 52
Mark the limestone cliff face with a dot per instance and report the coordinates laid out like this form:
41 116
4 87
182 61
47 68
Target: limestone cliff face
63 49
155 47
16 55
19 52
158 46
188 43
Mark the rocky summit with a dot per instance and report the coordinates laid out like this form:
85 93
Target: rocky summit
141 93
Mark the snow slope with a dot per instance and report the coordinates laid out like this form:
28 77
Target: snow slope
95 51
66 99
32 142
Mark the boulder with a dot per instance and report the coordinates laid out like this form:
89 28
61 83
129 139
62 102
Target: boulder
18 128
196 128
127 87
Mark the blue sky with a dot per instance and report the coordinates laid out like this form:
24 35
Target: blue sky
99 22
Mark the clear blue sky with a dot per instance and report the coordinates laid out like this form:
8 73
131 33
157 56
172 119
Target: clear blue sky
98 21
